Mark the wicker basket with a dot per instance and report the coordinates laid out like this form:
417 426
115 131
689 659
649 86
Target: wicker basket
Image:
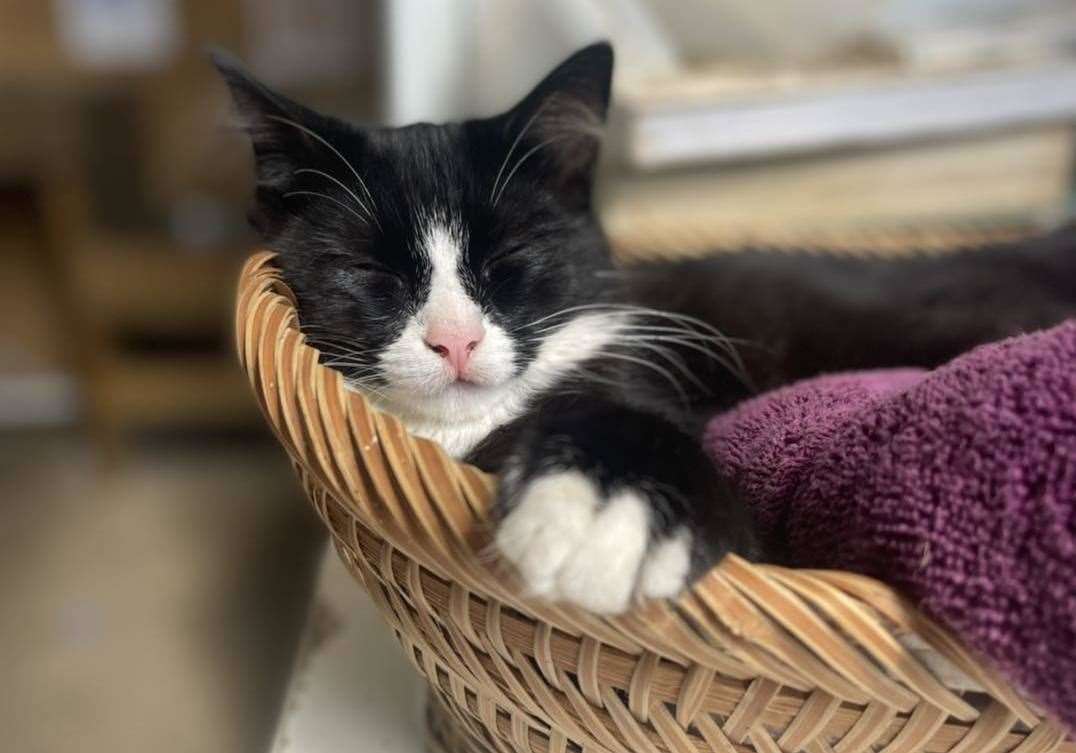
753 658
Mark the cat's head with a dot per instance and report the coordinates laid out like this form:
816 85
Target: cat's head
431 262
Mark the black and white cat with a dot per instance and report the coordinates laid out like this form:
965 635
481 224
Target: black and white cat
457 276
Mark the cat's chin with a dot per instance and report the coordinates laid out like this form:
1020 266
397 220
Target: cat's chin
464 388
457 416
454 402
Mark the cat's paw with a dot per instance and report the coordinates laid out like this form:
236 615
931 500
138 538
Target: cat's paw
571 542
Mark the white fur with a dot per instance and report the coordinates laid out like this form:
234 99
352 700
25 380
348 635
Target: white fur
422 391
600 576
665 572
447 300
549 525
571 544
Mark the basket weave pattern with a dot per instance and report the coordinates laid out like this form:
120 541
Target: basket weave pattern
752 658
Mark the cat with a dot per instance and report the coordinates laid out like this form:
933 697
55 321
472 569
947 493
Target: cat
458 277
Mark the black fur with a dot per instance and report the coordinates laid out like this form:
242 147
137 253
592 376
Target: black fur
624 445
534 248
803 314
532 254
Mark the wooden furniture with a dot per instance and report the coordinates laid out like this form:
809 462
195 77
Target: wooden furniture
143 321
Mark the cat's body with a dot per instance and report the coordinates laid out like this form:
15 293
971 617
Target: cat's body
457 276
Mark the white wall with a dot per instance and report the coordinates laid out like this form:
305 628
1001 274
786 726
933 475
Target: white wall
453 58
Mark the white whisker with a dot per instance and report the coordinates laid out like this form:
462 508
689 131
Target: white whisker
334 150
726 343
289 194
695 334
652 366
523 159
334 360
338 182
562 312
684 332
687 343
338 348
512 148
364 386
675 360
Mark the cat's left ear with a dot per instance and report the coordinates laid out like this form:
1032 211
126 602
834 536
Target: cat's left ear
560 123
285 136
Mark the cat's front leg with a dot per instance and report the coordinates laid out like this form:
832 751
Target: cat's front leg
603 504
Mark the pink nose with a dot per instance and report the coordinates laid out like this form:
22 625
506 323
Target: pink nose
455 343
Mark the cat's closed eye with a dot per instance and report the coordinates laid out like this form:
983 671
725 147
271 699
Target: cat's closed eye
358 275
503 259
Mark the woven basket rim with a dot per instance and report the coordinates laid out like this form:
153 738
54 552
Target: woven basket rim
807 629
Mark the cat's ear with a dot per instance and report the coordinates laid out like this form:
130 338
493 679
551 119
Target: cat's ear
561 122
283 133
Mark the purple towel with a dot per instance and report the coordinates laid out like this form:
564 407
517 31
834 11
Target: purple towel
956 486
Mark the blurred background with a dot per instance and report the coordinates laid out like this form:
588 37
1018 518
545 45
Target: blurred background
157 564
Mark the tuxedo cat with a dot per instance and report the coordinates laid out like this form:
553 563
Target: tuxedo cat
458 278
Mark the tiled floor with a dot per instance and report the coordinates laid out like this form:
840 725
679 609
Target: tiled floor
154 607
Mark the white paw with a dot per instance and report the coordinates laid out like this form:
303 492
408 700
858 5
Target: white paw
570 543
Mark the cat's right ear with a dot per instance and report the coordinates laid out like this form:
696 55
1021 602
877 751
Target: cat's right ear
282 132
560 124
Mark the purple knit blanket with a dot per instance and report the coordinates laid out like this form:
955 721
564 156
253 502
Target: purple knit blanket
956 486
